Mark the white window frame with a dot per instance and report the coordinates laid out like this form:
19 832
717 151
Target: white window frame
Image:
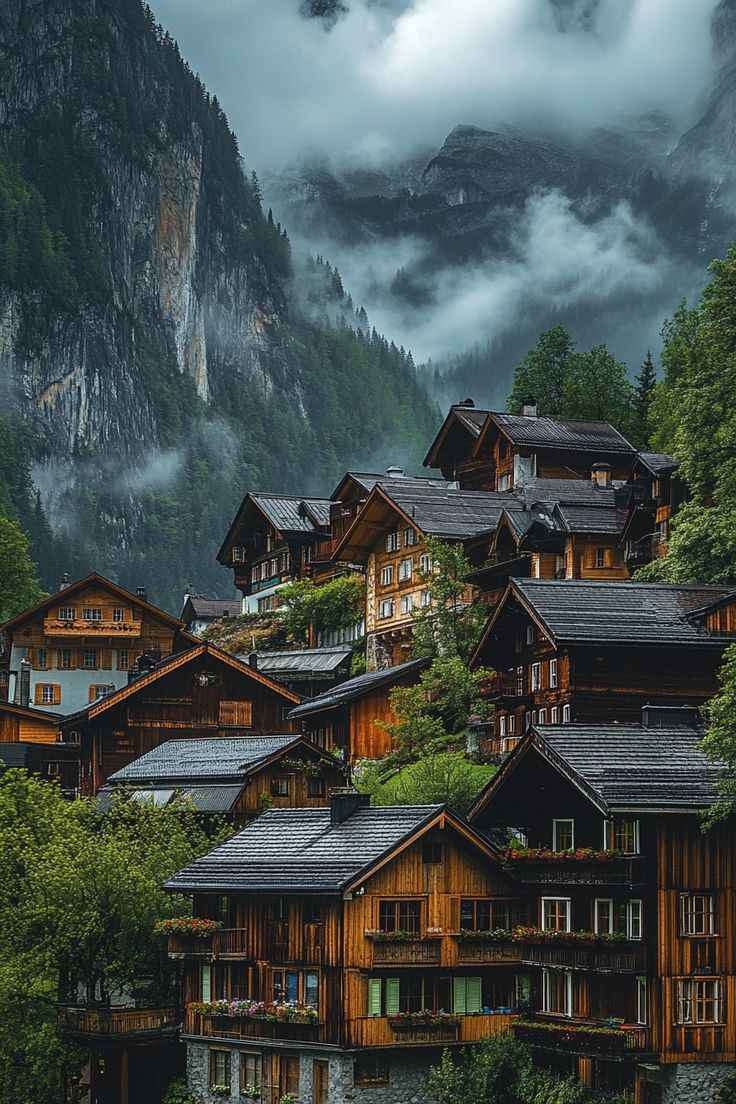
411 537
92 613
502 725
386 609
609 835
688 1000
553 674
393 541
566 713
425 598
530 634
67 613
425 563
512 724
567 902
47 693
406 604
536 683
598 927
635 919
405 570
527 719
118 614
688 914
562 820
555 716
642 1001
600 558
387 575
42 659
542 716
547 974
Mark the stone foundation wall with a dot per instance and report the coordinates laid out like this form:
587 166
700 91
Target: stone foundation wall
407 1074
693 1083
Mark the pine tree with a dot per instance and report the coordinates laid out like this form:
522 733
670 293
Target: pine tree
644 381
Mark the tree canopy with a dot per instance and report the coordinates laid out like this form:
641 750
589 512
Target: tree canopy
19 586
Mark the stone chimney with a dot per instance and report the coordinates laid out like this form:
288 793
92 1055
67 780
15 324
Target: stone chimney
345 803
253 660
395 472
466 402
600 474
529 407
24 683
64 581
141 593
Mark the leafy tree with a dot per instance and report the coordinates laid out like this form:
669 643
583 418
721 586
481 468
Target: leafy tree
448 626
19 586
701 548
543 373
310 609
644 384
500 1070
447 778
719 742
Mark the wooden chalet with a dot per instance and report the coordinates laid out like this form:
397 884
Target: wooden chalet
236 775
631 905
82 642
388 538
655 494
22 723
200 693
451 449
306 671
588 650
349 918
198 612
272 541
348 718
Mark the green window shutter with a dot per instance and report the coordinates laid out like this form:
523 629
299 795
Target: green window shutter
473 995
374 996
392 996
459 998
206 983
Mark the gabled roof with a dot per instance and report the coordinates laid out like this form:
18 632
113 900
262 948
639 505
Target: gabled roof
291 515
309 662
31 713
590 519
570 435
24 753
358 687
199 608
301 850
172 663
570 492
224 758
469 419
612 612
74 588
658 463
619 767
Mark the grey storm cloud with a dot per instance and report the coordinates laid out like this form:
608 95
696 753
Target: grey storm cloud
387 76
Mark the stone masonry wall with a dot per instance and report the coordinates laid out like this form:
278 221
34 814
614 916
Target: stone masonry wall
694 1083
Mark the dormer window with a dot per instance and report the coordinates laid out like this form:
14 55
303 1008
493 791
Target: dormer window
530 634
563 835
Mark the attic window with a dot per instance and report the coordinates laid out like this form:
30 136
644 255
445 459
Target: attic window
67 613
431 853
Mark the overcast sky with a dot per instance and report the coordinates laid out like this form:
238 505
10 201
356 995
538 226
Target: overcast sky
395 74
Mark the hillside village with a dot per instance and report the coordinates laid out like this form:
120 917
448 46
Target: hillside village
335 947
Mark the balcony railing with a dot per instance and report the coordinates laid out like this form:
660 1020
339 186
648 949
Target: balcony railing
583 1038
378 1031
397 952
505 686
225 943
476 950
242 1027
619 870
112 1022
613 959
55 626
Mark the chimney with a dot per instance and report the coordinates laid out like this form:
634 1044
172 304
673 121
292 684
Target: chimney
141 593
600 474
529 407
64 581
670 716
395 472
253 660
466 403
344 803
25 683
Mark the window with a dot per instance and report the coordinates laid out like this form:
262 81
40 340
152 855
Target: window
405 570
90 658
392 541
603 916
557 992
504 481
404 916
425 598
250 1074
563 835
406 603
67 613
123 659
555 716
47 694
527 719
297 987
600 557
536 676
542 716
641 1000
100 691
466 996
697 914
387 576
65 659
622 834
512 724
634 913
118 615
219 1067
255 573
238 714
699 1001
553 674
370 1069
502 726
264 570
410 537
42 657
386 608
315 787
530 634
485 915
432 853
566 713
534 716
280 786
425 563
556 914
93 613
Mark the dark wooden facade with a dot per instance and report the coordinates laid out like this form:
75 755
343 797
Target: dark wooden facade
202 692
655 494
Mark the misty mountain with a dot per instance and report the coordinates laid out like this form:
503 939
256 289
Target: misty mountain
159 352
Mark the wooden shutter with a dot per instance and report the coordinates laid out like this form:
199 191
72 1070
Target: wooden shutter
206 983
459 996
57 694
374 996
608 557
106 661
473 992
392 996
455 914
238 713
589 556
38 693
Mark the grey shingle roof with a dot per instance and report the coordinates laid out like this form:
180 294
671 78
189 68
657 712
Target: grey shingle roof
633 766
578 436
307 661
212 799
580 492
300 849
287 513
214 757
657 462
442 512
356 688
211 607
591 519
471 416
581 611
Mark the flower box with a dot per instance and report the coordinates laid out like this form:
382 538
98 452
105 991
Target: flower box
546 854
425 1020
400 936
255 1010
197 926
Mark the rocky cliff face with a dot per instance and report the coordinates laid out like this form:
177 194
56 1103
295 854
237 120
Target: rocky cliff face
175 294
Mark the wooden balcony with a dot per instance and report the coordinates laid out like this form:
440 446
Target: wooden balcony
241 1027
226 943
591 1040
230 943
116 1023
376 1031
401 952
54 626
615 958
567 871
481 952
506 687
